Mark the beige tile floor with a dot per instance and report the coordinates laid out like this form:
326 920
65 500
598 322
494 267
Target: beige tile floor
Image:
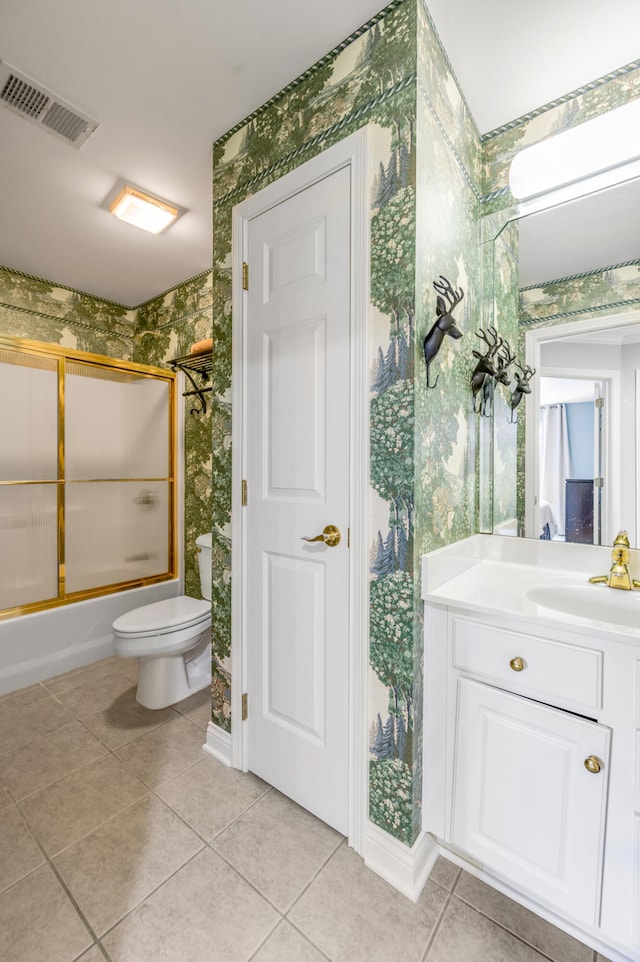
121 839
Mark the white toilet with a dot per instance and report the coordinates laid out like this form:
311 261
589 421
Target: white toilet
172 639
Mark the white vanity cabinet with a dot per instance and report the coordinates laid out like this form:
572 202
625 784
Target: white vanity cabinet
523 801
532 764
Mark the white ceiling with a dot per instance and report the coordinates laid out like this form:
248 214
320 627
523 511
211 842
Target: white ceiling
166 78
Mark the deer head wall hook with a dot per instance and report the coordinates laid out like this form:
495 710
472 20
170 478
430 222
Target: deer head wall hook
491 369
485 370
521 387
445 322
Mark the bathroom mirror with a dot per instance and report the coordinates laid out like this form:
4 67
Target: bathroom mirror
570 469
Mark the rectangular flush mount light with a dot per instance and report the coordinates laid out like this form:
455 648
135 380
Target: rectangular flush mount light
140 209
602 144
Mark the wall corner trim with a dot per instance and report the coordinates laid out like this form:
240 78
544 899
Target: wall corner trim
218 744
407 869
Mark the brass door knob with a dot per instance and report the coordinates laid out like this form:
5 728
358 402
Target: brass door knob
593 764
517 664
330 536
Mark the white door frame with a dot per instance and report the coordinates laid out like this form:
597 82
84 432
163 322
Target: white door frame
352 152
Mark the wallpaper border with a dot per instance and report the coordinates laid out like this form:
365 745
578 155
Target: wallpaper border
565 98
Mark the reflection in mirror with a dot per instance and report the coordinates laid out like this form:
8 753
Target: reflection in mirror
570 275
580 457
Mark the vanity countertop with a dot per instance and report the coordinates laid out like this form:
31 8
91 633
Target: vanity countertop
542 581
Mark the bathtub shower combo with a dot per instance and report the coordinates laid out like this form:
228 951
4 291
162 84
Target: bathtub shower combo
87 503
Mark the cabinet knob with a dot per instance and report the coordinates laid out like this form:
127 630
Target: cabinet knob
517 664
593 764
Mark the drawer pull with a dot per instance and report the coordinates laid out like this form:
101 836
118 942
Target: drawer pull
593 764
517 664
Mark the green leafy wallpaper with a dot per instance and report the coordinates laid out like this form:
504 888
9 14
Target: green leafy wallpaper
40 310
424 202
166 327
611 290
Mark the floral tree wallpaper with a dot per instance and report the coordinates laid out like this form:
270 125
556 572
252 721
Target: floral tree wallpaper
374 78
40 310
166 327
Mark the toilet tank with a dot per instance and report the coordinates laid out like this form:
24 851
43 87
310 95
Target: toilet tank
203 546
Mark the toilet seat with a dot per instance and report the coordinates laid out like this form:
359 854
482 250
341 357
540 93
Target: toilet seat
163 617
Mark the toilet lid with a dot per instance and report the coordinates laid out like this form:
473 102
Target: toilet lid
162 616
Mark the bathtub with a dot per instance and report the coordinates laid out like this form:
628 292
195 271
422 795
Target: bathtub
46 643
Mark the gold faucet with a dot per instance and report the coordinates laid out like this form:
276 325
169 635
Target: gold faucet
618 576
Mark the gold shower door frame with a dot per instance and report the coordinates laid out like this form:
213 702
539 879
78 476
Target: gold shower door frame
62 355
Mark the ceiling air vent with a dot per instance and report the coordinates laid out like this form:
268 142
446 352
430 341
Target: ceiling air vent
34 102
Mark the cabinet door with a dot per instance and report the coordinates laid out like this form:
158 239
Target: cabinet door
525 805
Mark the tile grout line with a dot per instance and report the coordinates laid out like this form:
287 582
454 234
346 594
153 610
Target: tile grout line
282 921
96 828
237 818
23 798
520 938
515 935
146 897
266 939
248 881
185 821
151 792
206 844
283 915
322 952
437 926
49 863
343 841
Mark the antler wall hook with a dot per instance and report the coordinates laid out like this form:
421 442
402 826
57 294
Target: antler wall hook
490 370
445 322
522 387
485 370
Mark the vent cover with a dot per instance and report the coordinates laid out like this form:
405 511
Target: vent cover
34 102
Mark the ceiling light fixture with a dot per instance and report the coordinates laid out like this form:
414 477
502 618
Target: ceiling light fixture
596 148
142 210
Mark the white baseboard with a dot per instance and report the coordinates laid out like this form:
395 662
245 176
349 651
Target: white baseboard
407 869
218 744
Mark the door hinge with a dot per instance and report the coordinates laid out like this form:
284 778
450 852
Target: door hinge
598 482
245 494
245 276
245 706
599 402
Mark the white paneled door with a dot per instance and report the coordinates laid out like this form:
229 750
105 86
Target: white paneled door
297 464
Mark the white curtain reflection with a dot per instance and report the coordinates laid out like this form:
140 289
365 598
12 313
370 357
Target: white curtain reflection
555 468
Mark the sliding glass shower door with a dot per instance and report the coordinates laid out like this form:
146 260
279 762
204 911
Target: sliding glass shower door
86 475
29 489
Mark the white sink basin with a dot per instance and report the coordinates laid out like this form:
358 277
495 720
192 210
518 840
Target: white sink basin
612 606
